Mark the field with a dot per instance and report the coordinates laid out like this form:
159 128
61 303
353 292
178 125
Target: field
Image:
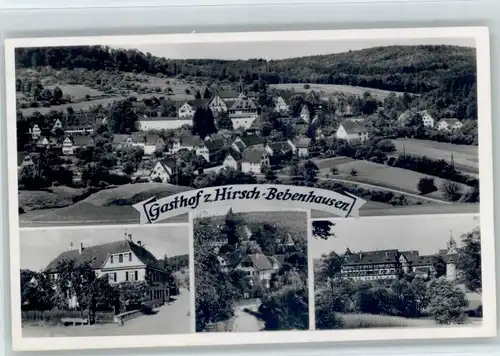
465 157
82 105
57 197
77 92
356 321
380 175
328 89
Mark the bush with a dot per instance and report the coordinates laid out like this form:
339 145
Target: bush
452 191
426 185
334 170
354 172
307 86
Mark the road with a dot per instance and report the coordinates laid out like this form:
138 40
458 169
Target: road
169 319
245 322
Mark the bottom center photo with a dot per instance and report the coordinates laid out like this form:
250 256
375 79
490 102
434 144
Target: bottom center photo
251 271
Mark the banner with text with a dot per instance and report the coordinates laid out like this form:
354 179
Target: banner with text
245 196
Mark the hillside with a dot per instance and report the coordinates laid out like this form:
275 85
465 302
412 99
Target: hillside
416 69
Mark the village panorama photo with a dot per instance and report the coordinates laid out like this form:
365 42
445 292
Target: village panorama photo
100 129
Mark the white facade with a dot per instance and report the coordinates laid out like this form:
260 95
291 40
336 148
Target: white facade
303 152
304 114
186 111
280 104
161 171
243 122
342 134
449 125
67 147
230 162
35 132
158 125
427 119
57 125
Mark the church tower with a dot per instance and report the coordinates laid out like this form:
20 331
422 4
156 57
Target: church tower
451 245
451 259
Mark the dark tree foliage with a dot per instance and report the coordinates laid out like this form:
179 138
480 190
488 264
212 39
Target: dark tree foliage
439 266
470 260
322 229
203 123
122 118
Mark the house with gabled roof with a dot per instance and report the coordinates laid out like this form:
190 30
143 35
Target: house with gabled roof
153 143
164 171
159 123
259 267
35 132
280 104
255 160
243 112
302 145
449 125
57 125
217 104
119 261
281 147
230 162
305 114
192 143
241 143
352 130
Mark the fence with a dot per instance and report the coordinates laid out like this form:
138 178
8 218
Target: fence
55 315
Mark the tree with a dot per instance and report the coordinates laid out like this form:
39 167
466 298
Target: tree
452 191
311 172
286 309
330 267
58 94
426 185
439 267
447 302
354 172
469 261
203 123
322 229
231 227
271 175
122 118
224 122
36 291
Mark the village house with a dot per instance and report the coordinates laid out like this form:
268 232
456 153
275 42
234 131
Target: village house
281 147
258 267
159 123
352 130
406 116
188 109
241 143
135 139
153 143
280 105
305 114
25 160
390 264
57 125
79 129
230 162
164 171
191 143
70 144
217 105
120 261
302 146
254 161
449 125
35 132
243 112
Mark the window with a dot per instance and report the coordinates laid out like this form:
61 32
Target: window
111 259
126 276
130 257
120 258
114 277
136 275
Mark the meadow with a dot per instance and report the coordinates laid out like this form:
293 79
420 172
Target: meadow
465 157
328 89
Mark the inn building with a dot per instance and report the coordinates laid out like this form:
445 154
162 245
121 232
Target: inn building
390 264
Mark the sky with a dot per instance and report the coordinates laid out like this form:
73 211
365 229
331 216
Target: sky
427 234
40 246
278 50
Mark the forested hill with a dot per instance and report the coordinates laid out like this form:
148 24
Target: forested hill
417 69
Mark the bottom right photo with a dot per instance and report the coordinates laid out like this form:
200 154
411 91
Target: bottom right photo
399 272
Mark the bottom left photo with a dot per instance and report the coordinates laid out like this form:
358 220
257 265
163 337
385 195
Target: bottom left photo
105 281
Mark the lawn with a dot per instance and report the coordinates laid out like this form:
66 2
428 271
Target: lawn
83 105
333 89
56 197
380 175
357 321
465 157
77 92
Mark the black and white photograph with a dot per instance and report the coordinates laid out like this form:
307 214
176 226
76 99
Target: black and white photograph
107 281
102 127
109 135
251 271
405 272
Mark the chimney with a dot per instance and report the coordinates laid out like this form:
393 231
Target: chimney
139 242
81 249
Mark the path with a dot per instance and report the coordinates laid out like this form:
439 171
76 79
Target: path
169 319
245 322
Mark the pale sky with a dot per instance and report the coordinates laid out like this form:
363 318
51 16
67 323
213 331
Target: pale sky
40 246
427 234
278 50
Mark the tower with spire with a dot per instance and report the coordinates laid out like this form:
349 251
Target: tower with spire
451 245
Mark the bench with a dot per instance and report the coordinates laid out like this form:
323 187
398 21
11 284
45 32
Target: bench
75 321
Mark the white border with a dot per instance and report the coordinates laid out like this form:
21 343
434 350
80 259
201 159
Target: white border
488 328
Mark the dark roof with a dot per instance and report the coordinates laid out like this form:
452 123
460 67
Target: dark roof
240 145
283 146
168 162
451 121
244 104
199 103
228 94
81 140
98 254
214 144
253 155
120 138
190 141
353 126
303 142
372 257
260 262
163 118
251 140
152 139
